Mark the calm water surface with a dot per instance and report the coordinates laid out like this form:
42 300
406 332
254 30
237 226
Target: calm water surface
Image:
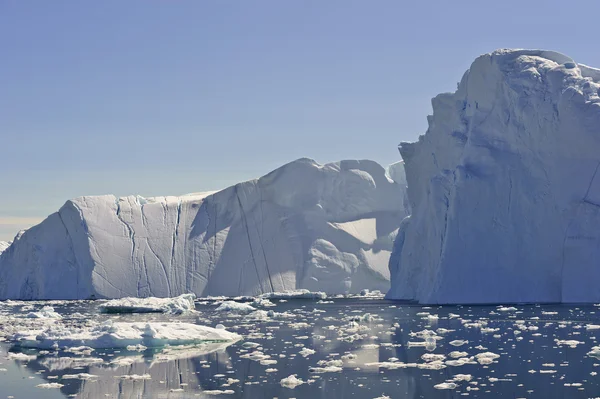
363 348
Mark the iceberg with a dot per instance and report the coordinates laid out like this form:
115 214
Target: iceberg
306 226
504 187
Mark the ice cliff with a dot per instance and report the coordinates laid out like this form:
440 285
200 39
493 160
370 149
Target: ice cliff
319 227
505 187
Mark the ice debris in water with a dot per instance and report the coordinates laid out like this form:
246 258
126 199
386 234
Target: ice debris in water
47 312
178 305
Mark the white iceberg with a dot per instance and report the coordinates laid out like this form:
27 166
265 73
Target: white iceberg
505 187
121 335
178 305
318 227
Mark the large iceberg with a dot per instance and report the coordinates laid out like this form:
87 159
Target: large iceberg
505 187
303 226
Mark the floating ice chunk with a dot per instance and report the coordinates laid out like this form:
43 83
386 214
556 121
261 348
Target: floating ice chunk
80 376
219 392
445 385
462 377
506 309
47 312
294 294
178 305
50 385
120 335
568 342
431 357
305 352
592 327
486 357
291 382
326 369
595 352
235 307
458 342
23 357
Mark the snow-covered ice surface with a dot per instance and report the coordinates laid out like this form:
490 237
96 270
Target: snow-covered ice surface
181 304
4 245
505 187
113 335
319 227
358 347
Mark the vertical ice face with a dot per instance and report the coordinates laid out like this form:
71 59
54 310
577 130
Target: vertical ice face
321 227
504 187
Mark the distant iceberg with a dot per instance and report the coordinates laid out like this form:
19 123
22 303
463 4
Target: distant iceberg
505 187
307 226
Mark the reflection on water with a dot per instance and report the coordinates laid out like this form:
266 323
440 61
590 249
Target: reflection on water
362 349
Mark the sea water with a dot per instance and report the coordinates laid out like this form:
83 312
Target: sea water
333 348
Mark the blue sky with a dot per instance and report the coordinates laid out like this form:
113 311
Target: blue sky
170 97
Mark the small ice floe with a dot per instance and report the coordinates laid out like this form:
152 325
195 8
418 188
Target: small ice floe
568 342
235 307
291 382
462 377
445 385
486 357
432 357
506 309
592 327
23 357
327 366
294 294
80 376
178 305
458 342
595 352
461 361
47 312
305 352
120 335
50 385
263 302
266 315
219 392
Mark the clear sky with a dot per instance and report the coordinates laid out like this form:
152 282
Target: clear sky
170 97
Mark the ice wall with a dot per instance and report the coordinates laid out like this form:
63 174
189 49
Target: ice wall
504 187
320 227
